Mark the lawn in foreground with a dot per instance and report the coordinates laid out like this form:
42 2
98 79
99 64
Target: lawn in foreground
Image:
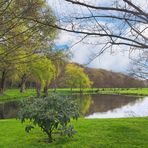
91 133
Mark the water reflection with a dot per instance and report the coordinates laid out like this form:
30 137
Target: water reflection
117 107
95 106
84 102
112 106
9 109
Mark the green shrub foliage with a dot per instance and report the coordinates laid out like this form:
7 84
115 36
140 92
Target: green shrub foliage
52 114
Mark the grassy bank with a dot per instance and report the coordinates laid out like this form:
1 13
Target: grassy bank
121 91
125 91
94 133
14 94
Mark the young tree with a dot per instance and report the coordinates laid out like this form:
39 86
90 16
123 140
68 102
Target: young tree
52 114
76 78
22 71
42 71
59 59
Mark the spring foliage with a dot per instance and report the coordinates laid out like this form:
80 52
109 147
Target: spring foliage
76 77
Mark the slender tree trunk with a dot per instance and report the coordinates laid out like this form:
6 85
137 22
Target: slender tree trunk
2 82
23 83
49 134
46 89
38 89
50 137
2 111
55 86
80 88
55 83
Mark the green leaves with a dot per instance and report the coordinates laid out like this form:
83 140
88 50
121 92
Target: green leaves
42 70
51 114
67 130
75 77
28 128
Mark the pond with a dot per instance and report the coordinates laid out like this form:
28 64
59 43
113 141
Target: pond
95 106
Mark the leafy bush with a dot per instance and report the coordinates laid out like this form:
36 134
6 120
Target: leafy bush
52 114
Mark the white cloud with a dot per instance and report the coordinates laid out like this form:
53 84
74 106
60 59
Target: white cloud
115 62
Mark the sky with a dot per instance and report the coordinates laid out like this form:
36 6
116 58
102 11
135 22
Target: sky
115 60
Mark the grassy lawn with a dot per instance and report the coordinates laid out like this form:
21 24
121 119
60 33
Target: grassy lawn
91 133
125 91
14 94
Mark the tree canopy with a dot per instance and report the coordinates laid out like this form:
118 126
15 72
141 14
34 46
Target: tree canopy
19 34
20 37
76 78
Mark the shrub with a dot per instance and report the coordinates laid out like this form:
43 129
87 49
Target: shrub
52 114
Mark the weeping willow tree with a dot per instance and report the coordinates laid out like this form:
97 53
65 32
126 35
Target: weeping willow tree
76 77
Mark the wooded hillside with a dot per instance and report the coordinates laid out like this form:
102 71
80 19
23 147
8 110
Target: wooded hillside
104 78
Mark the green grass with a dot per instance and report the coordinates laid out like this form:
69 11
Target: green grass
125 91
91 133
14 94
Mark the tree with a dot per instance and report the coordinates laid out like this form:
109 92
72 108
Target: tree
21 34
42 71
118 22
52 114
21 38
59 58
6 72
23 70
75 77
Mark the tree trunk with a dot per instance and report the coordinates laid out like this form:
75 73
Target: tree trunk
49 134
38 90
2 82
46 89
2 116
55 86
80 88
23 83
49 137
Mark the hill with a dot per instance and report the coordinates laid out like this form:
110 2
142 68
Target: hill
104 78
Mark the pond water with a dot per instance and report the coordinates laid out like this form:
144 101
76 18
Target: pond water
95 106
9 109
